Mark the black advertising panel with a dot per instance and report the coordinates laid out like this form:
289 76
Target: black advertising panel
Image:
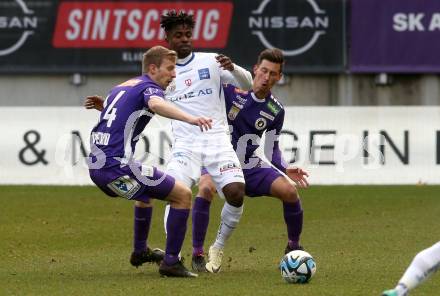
310 33
38 36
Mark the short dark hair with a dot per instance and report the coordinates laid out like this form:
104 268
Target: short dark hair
273 55
173 19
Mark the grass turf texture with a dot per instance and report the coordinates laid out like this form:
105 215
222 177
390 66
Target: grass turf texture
75 241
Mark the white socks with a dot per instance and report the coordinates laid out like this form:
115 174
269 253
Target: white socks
229 220
423 265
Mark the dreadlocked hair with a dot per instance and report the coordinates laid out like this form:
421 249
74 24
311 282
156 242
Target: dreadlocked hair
173 19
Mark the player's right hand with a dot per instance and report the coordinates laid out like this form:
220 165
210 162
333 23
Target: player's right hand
94 102
299 176
203 122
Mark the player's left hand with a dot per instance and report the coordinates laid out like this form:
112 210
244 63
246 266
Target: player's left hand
298 176
225 62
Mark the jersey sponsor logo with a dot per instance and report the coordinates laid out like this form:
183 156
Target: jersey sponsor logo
305 29
232 114
241 100
204 73
125 186
100 138
230 167
260 123
239 106
273 107
136 24
191 94
181 158
267 115
17 23
188 82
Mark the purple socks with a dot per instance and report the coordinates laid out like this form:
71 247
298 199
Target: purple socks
176 229
142 220
200 221
293 216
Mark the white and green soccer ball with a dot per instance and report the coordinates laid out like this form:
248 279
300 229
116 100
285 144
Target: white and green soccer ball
297 267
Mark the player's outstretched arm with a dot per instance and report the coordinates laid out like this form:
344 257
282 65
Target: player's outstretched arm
94 102
166 109
298 176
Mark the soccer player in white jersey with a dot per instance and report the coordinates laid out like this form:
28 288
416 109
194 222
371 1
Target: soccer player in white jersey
424 264
198 91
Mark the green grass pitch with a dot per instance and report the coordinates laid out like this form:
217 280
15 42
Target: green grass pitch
76 241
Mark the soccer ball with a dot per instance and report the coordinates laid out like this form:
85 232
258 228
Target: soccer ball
297 267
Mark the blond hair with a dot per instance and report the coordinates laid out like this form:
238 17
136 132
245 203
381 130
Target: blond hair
155 56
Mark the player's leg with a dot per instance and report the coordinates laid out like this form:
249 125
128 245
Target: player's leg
230 216
141 227
423 265
123 182
284 190
200 220
180 203
183 166
225 170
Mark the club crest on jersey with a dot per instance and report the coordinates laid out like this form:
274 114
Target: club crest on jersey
232 114
267 115
204 73
273 107
261 123
188 82
125 186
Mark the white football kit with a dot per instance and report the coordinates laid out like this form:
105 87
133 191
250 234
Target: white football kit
198 91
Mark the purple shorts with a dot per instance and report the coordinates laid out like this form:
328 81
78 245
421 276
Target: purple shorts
258 180
138 183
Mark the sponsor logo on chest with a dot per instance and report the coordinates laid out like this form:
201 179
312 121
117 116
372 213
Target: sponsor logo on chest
267 115
204 74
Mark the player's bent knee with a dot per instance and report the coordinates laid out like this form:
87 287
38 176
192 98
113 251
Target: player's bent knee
234 194
206 191
291 194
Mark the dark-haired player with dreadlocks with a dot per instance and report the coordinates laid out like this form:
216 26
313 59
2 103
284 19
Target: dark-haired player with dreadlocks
197 89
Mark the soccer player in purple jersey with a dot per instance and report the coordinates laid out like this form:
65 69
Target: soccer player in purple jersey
179 28
126 111
252 113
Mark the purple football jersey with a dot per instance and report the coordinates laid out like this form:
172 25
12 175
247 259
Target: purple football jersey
123 118
250 117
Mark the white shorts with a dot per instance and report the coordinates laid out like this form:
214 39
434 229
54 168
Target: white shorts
216 154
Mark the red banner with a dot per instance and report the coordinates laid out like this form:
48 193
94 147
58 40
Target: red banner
136 24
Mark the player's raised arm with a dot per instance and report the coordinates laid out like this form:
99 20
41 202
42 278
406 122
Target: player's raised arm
166 109
235 74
